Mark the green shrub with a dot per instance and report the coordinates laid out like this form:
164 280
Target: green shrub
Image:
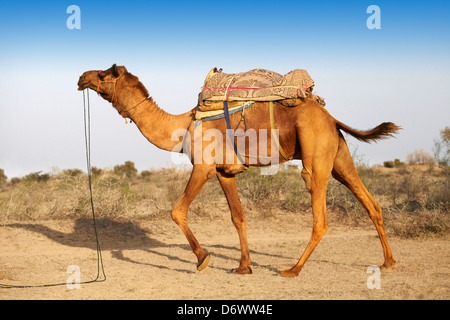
394 164
127 170
398 163
388 164
96 171
3 177
37 177
145 174
73 172
15 181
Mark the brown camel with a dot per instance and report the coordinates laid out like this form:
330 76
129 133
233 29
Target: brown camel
307 132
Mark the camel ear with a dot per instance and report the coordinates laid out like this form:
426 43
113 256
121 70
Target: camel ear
118 70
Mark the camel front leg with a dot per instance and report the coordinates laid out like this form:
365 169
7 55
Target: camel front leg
228 184
200 174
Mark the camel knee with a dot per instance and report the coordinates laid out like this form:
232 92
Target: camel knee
375 213
377 207
377 218
178 218
179 215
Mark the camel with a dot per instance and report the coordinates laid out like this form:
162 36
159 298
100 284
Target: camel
306 132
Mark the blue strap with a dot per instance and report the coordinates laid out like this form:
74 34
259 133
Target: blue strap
222 115
231 135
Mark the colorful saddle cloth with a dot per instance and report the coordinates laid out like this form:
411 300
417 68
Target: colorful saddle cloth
255 85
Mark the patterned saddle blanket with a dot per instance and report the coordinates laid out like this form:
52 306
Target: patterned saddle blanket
255 85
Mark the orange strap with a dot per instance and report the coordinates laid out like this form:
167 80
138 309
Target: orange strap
109 81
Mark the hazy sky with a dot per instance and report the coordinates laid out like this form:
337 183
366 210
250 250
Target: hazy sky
399 73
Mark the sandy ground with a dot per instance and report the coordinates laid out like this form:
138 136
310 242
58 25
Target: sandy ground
152 260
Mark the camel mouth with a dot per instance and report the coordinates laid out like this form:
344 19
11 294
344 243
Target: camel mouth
81 86
82 82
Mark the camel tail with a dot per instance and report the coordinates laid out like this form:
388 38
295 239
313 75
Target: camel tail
383 131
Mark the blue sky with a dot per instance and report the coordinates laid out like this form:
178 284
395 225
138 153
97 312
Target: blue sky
400 73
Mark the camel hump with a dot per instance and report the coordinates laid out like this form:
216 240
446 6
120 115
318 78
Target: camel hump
255 85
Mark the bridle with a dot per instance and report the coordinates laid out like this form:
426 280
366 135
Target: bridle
108 81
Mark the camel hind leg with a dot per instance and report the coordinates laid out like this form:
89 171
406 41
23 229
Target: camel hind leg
345 172
317 156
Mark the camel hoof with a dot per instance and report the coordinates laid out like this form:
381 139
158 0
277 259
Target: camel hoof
202 265
242 270
388 264
289 273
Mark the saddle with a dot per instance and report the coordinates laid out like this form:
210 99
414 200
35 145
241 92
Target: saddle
226 93
254 85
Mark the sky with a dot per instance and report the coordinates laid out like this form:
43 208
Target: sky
398 73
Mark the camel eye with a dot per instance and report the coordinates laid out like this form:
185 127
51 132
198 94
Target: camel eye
101 76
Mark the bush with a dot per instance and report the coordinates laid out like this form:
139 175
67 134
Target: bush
388 164
37 177
398 163
96 171
3 177
145 174
67 196
285 189
127 170
442 148
413 204
15 181
419 224
393 164
419 157
73 172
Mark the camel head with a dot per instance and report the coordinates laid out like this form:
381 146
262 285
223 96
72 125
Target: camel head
104 82
115 85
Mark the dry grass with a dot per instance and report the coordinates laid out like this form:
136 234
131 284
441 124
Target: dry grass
414 199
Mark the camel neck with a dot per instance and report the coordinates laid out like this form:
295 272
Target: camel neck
156 125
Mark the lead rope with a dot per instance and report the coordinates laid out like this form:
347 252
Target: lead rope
87 137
